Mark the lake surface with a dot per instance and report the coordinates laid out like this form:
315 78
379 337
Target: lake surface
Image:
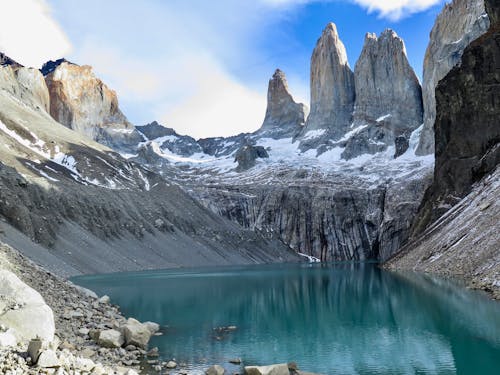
347 318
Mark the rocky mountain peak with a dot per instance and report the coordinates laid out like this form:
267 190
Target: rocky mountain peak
332 85
458 24
6 60
82 102
388 104
51 65
284 117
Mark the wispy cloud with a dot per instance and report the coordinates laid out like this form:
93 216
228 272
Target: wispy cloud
29 34
393 10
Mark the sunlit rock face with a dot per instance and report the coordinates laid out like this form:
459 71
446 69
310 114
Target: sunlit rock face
388 96
26 84
459 23
82 102
332 85
284 117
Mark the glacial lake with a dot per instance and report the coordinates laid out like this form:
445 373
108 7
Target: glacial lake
344 318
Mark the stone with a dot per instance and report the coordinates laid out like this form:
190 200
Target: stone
332 86
104 299
458 24
152 327
388 95
94 334
82 102
247 155
84 364
401 144
110 338
8 338
284 117
33 318
171 365
136 333
215 370
154 352
467 130
34 349
87 353
235 361
279 369
48 358
83 331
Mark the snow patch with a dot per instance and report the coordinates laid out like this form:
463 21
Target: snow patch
382 118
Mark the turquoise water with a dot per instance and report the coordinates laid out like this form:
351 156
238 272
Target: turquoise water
332 319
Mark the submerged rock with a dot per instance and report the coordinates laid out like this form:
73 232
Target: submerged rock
215 370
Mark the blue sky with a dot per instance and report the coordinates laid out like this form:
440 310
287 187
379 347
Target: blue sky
200 66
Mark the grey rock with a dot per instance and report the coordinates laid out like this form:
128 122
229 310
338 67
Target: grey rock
388 95
171 365
332 86
136 333
247 155
32 317
401 144
104 299
152 326
47 359
284 117
34 349
278 369
215 370
110 338
459 23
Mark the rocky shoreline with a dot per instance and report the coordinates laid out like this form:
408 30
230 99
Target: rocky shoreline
80 318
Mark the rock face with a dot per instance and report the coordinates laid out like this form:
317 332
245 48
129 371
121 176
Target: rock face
23 310
6 60
459 23
284 117
388 96
467 131
454 236
247 155
332 86
82 102
26 84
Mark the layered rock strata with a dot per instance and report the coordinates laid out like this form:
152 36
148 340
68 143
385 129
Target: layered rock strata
458 24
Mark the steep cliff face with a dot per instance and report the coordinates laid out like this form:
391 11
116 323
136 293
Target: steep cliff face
284 117
332 86
26 84
467 131
459 23
460 235
82 102
388 96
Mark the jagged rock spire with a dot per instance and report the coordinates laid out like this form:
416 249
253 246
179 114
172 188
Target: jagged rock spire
284 117
386 84
332 85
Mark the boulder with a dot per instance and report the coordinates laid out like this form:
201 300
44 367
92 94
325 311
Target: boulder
136 333
215 370
247 155
171 364
48 358
152 326
279 369
110 338
24 310
8 338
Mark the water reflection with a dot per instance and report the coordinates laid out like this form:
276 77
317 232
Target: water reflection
337 319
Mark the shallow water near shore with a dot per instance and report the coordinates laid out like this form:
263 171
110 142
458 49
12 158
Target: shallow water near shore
343 318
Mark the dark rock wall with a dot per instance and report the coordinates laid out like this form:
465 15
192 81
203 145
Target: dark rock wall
467 127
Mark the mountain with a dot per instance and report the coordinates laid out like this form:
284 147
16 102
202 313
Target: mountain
456 230
82 102
77 206
458 24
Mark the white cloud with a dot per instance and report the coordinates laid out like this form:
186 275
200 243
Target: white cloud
29 34
391 9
